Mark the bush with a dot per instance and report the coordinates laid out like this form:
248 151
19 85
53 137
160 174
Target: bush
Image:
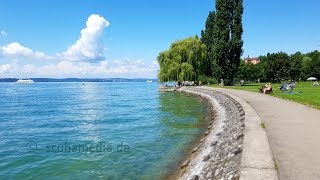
207 80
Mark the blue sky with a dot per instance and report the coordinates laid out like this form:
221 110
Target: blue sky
42 38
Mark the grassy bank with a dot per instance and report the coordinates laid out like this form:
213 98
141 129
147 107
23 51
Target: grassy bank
303 93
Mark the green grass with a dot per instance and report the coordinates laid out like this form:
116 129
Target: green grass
263 125
303 93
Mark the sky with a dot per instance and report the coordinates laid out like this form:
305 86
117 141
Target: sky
122 38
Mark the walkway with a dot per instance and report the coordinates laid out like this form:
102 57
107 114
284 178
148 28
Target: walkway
293 131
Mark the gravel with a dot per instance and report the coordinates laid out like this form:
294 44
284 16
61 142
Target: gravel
218 155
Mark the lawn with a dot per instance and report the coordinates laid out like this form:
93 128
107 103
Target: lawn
303 93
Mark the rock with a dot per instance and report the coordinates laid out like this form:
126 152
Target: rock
194 177
236 177
217 172
185 164
206 158
194 150
240 136
214 143
222 162
238 151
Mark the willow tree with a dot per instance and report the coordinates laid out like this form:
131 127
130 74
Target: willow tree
185 60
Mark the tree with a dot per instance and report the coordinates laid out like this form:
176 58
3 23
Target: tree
227 38
296 66
248 71
278 66
311 65
207 37
186 60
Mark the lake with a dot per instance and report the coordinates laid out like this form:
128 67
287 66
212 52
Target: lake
95 130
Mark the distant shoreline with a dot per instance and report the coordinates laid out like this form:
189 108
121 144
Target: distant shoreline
82 79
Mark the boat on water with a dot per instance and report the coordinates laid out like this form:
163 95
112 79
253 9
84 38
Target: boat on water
25 81
149 81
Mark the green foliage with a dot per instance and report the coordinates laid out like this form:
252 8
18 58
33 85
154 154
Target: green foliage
208 39
227 35
207 80
278 67
311 65
186 60
295 72
217 54
248 72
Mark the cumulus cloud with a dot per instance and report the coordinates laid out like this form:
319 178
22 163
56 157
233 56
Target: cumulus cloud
15 50
89 47
84 58
3 33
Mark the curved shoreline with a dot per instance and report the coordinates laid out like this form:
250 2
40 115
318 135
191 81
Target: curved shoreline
218 154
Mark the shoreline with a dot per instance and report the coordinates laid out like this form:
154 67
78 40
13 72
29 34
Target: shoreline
218 150
209 119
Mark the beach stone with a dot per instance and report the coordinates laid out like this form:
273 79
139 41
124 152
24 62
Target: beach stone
240 136
194 150
194 177
206 158
185 164
238 151
223 160
214 143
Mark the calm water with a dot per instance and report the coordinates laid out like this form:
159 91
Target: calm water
95 130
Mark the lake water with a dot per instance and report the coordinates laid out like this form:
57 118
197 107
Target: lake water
94 130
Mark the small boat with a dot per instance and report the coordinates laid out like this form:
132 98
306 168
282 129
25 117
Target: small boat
149 81
25 81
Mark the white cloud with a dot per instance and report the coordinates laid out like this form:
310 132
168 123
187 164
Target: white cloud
89 47
104 69
15 50
3 33
5 68
82 59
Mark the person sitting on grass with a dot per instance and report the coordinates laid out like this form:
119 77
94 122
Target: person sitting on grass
267 89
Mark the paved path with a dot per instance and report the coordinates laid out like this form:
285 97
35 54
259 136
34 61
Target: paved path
293 131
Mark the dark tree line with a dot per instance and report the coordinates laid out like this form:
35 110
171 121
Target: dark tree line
280 66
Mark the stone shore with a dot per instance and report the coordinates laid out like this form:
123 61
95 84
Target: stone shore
218 154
